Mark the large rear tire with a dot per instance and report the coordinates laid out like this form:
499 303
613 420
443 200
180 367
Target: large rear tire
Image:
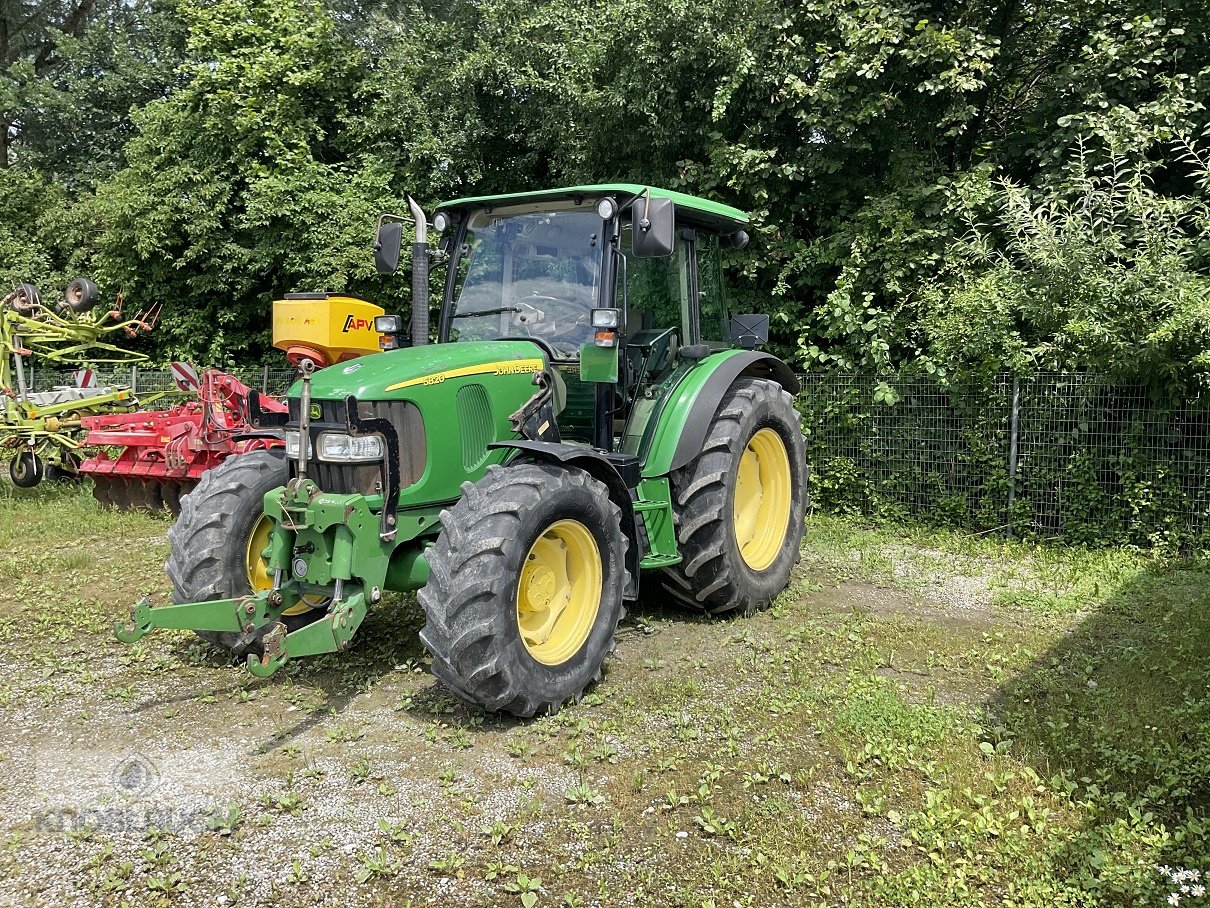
217 540
525 588
740 504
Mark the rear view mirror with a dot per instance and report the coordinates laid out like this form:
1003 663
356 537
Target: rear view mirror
653 227
749 331
386 247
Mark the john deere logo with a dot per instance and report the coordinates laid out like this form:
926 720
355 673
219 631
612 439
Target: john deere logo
316 412
356 324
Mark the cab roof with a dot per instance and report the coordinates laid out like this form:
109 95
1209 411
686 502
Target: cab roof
690 209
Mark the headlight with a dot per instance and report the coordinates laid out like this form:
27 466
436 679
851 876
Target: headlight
388 324
292 444
338 446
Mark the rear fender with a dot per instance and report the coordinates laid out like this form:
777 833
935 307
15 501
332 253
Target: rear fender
685 419
598 467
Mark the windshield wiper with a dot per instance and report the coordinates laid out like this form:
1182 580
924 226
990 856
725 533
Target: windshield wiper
479 312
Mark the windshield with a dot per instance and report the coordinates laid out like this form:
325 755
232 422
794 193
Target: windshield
529 275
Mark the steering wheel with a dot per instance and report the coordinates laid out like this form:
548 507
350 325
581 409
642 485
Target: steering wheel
556 307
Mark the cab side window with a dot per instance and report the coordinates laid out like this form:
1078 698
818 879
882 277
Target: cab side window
713 306
657 290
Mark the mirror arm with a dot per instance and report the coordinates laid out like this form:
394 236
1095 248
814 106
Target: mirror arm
387 216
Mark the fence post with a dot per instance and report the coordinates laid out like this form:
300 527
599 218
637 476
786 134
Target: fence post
1014 424
264 382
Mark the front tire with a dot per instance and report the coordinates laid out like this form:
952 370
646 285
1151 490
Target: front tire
217 540
741 503
525 588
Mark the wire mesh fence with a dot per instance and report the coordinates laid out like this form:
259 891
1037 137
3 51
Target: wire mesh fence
150 381
1062 456
1052 456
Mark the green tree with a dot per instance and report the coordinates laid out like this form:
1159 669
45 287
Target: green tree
238 186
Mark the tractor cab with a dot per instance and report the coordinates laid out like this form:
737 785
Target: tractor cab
556 267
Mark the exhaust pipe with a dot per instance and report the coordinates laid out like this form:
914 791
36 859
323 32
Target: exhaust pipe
420 277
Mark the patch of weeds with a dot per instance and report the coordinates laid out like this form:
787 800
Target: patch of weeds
396 831
452 864
499 832
496 869
583 793
344 734
519 748
168 884
285 801
377 863
225 820
526 888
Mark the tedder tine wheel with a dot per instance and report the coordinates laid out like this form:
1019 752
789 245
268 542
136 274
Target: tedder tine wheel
66 470
525 588
740 504
26 470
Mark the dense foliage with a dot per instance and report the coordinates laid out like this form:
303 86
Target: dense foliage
948 185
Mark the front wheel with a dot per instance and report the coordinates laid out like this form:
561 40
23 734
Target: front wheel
219 540
525 588
740 504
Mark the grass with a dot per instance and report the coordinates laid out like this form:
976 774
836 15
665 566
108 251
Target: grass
923 718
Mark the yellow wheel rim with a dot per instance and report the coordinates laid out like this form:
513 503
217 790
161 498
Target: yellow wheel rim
763 494
258 567
559 593
259 577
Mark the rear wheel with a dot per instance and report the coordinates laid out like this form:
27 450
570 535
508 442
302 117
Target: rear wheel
525 588
739 505
219 539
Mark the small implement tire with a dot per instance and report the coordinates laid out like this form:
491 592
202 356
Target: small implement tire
26 470
81 295
740 504
66 470
525 588
25 298
215 541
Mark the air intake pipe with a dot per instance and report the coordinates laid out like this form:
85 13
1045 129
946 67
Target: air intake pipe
420 277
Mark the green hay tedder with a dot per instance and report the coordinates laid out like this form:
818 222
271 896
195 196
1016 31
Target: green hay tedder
591 421
41 430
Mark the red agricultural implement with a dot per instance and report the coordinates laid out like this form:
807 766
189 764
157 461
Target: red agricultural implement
152 459
164 453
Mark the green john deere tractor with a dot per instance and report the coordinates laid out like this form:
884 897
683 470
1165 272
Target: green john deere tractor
591 417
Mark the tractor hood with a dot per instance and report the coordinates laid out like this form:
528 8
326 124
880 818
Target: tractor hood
399 374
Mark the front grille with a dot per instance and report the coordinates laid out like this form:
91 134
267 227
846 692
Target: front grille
364 478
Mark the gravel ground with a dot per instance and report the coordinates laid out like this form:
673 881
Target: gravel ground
159 774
